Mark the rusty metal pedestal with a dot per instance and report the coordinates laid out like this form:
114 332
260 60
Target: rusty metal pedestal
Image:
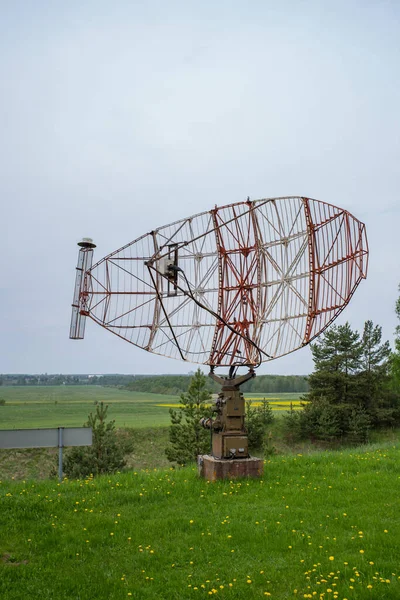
229 457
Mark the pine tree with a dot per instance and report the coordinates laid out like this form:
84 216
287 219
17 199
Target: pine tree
267 415
292 425
187 437
395 357
358 426
373 378
254 425
352 376
337 356
105 455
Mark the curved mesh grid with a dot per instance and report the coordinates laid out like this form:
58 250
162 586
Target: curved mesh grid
270 273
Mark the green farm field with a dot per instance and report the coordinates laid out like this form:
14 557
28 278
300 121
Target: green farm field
69 406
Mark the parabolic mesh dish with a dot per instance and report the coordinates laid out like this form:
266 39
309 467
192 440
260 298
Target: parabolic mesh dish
271 273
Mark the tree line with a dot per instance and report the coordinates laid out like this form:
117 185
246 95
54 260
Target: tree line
179 384
46 379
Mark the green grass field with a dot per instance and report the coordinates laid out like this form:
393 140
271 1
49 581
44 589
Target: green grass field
69 406
323 526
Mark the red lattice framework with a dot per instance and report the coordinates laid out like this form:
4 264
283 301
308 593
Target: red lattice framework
251 280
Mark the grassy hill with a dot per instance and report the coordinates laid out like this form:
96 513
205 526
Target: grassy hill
320 526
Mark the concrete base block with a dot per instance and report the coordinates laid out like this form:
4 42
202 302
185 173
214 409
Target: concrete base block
212 469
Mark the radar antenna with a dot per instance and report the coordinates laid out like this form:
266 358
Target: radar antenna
232 287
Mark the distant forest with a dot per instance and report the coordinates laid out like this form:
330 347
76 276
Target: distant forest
160 384
178 384
60 379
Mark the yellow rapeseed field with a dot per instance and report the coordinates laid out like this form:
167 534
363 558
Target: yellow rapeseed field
275 403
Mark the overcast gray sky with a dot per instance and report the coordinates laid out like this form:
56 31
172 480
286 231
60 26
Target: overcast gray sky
117 117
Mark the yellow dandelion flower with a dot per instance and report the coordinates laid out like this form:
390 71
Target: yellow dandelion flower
331 558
